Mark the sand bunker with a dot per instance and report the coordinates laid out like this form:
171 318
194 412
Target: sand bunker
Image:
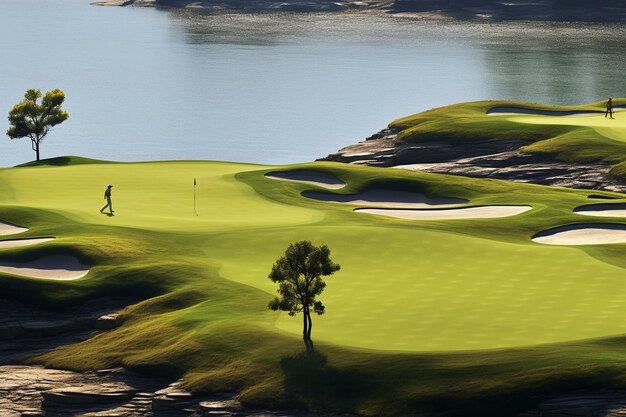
10 229
320 179
482 212
385 198
602 210
56 267
583 234
509 111
23 242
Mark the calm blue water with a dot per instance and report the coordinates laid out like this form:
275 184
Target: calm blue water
146 84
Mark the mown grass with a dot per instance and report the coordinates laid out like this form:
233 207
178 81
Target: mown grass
455 317
572 139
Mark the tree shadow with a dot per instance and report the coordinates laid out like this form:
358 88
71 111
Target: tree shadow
310 380
63 161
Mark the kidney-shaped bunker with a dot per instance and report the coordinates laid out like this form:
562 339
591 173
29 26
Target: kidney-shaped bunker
583 234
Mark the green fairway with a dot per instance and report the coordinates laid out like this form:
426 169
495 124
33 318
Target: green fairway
419 287
424 290
614 129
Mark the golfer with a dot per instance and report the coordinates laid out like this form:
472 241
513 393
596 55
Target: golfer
609 108
107 196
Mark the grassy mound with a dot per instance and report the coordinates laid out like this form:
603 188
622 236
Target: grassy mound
585 138
446 316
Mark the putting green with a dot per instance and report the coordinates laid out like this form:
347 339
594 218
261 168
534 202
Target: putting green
154 196
610 128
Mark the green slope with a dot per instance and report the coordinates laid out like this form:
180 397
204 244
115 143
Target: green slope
573 138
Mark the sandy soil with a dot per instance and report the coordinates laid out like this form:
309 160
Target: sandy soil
10 229
602 210
483 212
23 242
583 234
56 267
385 198
319 179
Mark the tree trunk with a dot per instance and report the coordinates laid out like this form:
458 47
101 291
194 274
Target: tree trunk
305 325
308 333
37 149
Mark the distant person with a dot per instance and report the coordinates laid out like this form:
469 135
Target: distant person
609 108
107 196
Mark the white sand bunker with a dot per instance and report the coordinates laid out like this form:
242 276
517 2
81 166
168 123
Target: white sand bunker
482 212
509 111
583 234
602 210
385 198
321 179
56 267
23 242
10 229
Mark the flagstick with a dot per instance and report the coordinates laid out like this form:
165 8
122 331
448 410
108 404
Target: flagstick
194 196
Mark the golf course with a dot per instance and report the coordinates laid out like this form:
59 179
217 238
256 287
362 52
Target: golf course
455 296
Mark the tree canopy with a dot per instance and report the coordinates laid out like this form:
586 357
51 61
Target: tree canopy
32 119
299 275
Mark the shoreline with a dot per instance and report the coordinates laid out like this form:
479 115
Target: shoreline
409 9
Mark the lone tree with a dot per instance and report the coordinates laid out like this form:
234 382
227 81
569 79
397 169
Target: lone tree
299 274
28 118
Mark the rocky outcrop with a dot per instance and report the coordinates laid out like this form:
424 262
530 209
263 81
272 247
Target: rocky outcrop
26 330
496 159
549 10
34 391
257 5
590 405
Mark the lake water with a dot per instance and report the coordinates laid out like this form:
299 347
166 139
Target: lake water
145 84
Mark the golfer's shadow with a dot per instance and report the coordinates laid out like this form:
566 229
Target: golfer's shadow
109 214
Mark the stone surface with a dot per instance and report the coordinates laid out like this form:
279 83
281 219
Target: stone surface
35 391
499 160
582 405
107 321
87 394
32 391
224 406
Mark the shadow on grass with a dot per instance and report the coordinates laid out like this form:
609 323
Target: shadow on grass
310 380
63 161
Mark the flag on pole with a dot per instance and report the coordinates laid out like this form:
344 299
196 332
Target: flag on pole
194 196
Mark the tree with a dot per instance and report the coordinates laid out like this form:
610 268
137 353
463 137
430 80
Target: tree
28 118
299 275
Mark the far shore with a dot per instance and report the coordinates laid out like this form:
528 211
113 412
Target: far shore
398 8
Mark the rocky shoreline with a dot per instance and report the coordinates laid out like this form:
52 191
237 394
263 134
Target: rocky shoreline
497 159
539 10
34 391
257 5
